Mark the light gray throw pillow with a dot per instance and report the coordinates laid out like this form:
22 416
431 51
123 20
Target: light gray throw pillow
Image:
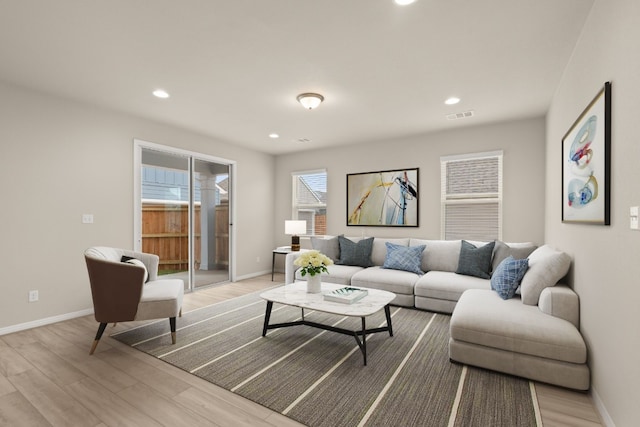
516 250
330 247
546 267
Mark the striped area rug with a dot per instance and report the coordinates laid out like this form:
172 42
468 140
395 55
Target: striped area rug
317 377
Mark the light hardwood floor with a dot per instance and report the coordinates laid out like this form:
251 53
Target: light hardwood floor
47 378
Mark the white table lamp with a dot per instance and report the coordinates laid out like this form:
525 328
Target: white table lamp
294 228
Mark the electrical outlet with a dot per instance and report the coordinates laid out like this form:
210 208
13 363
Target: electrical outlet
87 218
33 296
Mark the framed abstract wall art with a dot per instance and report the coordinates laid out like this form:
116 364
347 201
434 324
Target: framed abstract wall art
586 164
384 198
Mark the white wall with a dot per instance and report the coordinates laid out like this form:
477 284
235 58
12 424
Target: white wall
606 268
60 159
523 145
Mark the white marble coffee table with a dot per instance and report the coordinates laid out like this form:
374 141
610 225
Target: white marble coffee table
295 294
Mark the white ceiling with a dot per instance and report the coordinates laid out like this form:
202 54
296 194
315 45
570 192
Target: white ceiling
234 68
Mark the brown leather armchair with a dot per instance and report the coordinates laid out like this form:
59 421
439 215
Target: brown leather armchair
120 293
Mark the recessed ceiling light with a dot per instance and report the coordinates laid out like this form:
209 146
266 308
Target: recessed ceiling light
274 136
161 93
404 2
452 101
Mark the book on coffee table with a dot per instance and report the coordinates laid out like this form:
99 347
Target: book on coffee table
346 295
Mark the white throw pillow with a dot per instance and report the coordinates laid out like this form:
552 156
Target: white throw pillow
139 263
546 267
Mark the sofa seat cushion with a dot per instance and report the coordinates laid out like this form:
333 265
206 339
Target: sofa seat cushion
448 286
396 281
481 317
160 297
340 274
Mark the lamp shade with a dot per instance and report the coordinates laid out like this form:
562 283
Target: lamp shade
293 227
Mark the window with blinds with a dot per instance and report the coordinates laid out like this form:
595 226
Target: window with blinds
471 196
310 200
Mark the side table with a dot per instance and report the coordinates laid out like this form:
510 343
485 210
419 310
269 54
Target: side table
278 251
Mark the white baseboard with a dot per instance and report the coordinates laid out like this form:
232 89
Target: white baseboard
602 410
45 321
252 275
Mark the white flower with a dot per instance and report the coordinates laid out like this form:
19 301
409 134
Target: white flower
313 262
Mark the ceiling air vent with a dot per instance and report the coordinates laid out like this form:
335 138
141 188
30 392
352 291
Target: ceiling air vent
463 115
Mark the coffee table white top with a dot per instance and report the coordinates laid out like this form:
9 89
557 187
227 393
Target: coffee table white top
295 294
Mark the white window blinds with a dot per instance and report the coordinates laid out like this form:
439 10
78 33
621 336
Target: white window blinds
309 200
471 196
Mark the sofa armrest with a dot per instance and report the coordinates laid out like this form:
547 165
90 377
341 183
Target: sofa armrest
561 301
290 268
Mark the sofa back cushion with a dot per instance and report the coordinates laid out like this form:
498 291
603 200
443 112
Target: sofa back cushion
379 251
439 255
546 267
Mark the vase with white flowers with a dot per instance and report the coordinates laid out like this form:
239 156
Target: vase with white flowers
312 264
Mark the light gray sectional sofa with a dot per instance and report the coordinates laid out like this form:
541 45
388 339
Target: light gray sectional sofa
534 335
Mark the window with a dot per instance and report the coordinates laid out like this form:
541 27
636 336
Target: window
310 200
471 196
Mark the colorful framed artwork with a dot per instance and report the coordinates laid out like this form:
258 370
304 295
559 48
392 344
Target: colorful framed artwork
384 198
586 164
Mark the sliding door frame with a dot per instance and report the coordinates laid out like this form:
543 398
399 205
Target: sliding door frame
138 146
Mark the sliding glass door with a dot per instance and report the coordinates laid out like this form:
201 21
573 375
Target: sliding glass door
211 222
183 214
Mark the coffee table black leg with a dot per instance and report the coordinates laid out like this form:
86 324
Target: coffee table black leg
273 264
364 340
267 315
387 313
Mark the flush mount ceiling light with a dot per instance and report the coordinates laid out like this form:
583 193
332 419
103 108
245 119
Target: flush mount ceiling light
310 100
161 93
274 135
404 2
452 101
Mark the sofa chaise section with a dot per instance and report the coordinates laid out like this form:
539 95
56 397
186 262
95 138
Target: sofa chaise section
539 342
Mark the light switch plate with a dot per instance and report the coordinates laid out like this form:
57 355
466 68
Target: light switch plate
633 217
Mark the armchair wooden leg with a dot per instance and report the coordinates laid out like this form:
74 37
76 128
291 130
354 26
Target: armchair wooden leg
98 336
172 322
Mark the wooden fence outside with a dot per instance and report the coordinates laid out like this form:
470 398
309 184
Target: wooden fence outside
165 232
